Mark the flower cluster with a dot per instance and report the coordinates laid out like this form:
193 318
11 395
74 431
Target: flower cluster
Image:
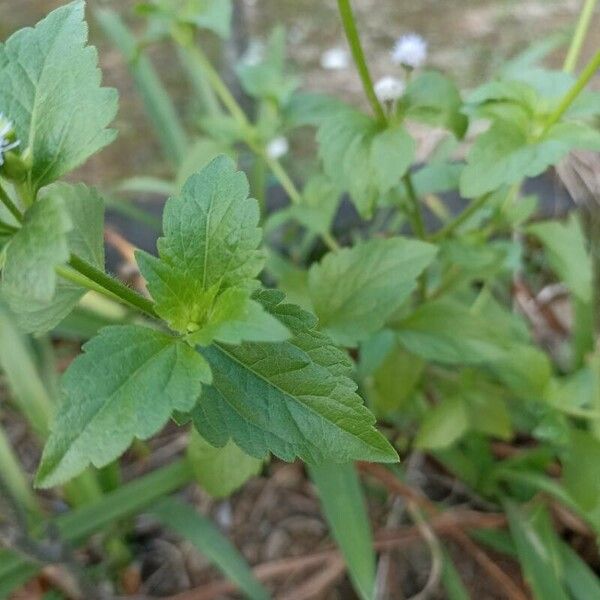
410 51
7 143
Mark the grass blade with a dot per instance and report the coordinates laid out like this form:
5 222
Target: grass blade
159 107
580 580
345 509
201 532
535 555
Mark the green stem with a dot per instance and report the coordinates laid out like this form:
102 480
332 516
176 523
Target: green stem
358 55
575 90
10 205
466 214
97 280
235 110
14 478
585 18
213 77
417 223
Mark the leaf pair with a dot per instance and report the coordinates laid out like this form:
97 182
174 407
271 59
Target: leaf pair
292 397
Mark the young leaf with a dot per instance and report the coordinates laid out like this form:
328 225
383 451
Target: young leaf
85 209
34 252
354 291
392 153
50 89
344 505
235 318
210 244
293 398
220 471
126 384
201 532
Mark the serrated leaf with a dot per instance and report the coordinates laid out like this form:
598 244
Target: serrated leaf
50 89
85 209
220 471
235 318
210 243
504 155
34 252
125 385
294 399
355 290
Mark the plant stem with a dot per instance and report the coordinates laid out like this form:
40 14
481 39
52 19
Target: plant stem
248 130
10 205
96 280
451 227
417 223
358 55
585 18
15 479
575 90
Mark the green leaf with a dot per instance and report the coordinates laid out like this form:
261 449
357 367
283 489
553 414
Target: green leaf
503 155
293 399
198 156
452 582
435 99
50 89
355 290
196 528
580 580
535 555
34 252
220 471
443 424
124 386
268 79
210 244
345 508
566 252
580 470
235 318
446 331
392 153
210 14
85 209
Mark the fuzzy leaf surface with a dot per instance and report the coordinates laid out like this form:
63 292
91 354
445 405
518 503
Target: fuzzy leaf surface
125 385
210 243
50 88
294 398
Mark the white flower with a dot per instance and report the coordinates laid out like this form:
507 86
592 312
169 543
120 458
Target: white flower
389 89
277 147
335 59
6 128
410 51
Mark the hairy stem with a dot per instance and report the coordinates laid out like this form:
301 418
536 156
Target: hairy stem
96 280
358 55
585 18
466 214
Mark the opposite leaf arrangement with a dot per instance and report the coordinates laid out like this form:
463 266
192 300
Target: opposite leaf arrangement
262 346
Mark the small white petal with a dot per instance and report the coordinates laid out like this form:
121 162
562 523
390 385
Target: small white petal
278 147
389 89
410 50
335 59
